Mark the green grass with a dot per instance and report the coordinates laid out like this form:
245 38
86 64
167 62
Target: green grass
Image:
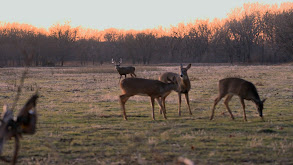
80 119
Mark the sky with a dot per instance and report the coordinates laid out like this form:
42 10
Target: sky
120 14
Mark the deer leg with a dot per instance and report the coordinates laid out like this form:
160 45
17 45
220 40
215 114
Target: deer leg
119 79
158 101
243 106
215 103
162 107
123 99
187 102
164 103
179 103
153 109
226 102
133 74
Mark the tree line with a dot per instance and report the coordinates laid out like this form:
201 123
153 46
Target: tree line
253 33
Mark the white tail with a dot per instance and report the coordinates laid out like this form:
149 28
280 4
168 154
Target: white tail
184 82
153 88
123 70
242 88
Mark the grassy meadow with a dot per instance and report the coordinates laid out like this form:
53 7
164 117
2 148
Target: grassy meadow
80 120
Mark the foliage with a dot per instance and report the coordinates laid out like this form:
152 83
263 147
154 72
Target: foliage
253 33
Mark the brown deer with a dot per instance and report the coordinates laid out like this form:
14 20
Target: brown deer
184 82
153 88
123 70
242 88
25 123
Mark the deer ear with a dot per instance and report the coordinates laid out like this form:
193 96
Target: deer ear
188 66
264 100
7 114
4 109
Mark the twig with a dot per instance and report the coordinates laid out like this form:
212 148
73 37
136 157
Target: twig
19 88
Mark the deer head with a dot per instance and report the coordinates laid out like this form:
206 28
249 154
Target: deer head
25 123
183 71
117 64
259 106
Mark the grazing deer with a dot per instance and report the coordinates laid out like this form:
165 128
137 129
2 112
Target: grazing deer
25 123
153 88
184 83
242 88
123 70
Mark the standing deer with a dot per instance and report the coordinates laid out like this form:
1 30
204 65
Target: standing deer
184 82
123 70
153 88
25 123
242 88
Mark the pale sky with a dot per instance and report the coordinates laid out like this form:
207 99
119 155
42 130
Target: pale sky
120 14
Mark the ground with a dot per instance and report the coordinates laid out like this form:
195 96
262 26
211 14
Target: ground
80 120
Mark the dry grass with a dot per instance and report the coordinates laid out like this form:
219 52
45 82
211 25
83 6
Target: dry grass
80 119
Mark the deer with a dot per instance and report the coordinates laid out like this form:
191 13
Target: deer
123 70
242 88
155 89
184 82
25 123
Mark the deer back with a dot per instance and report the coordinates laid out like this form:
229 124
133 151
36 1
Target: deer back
240 87
125 70
140 86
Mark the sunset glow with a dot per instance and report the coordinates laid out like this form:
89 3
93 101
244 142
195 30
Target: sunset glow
126 14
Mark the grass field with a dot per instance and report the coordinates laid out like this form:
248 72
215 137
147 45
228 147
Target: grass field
80 120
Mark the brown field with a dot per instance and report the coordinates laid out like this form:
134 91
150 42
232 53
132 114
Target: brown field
80 120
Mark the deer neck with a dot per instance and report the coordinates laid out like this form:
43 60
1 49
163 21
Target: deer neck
185 84
256 100
117 67
170 87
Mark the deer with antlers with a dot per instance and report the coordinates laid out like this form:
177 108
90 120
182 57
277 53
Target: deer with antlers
184 82
123 70
242 88
25 123
145 87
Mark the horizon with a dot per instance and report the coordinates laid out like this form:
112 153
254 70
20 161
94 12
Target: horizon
126 15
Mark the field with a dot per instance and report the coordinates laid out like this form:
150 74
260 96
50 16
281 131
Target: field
80 120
